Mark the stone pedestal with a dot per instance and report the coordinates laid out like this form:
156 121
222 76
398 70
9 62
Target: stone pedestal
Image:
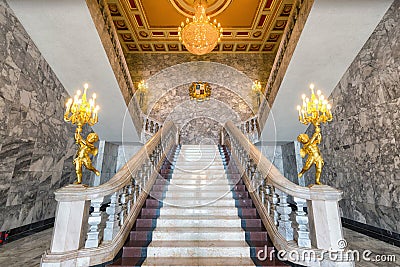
325 224
69 228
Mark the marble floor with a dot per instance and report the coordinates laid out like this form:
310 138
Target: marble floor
26 252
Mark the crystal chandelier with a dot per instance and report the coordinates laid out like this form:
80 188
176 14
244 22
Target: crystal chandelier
200 36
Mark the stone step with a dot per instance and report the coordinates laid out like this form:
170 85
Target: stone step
210 186
200 223
198 188
194 261
198 248
199 194
188 233
190 202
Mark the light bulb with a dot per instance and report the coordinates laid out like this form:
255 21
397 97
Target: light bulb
319 92
78 93
86 86
312 86
298 107
303 96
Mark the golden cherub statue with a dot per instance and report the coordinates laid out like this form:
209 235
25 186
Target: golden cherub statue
316 110
82 157
310 148
81 112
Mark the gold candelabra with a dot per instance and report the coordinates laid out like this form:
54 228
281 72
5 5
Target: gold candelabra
256 88
141 95
315 110
80 111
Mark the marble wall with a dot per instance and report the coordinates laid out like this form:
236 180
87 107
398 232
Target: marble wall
273 152
292 162
36 145
105 162
125 152
200 120
255 66
169 76
361 146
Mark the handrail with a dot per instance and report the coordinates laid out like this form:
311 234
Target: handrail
75 244
317 229
120 179
274 176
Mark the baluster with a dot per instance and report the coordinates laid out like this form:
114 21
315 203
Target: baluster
249 167
145 168
151 127
159 152
261 191
284 210
265 195
139 176
123 200
147 125
302 233
93 235
273 201
137 191
129 197
112 224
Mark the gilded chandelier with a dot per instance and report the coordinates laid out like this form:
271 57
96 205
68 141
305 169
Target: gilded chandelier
200 36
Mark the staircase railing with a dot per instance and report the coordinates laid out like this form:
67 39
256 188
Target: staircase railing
307 233
250 128
85 234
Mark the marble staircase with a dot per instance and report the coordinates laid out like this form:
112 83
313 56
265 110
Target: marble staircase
198 213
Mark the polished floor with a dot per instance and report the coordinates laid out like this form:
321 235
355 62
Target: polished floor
26 252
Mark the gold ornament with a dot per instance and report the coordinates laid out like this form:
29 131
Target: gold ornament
80 112
315 110
200 36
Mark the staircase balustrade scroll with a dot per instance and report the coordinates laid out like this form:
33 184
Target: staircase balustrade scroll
312 224
84 233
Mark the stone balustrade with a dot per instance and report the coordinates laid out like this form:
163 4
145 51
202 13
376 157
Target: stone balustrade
251 129
150 127
311 225
86 234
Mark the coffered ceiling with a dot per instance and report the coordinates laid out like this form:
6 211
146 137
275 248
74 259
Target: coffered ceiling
150 26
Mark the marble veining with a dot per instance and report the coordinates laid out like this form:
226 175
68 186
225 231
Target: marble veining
36 146
361 146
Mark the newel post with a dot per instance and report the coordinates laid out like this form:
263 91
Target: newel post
71 222
325 223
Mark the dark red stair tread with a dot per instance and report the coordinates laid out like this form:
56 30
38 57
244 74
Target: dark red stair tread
127 262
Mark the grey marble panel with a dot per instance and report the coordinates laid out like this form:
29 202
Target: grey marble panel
36 145
361 146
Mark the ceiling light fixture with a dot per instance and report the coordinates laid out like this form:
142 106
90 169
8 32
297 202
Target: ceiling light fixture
200 36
